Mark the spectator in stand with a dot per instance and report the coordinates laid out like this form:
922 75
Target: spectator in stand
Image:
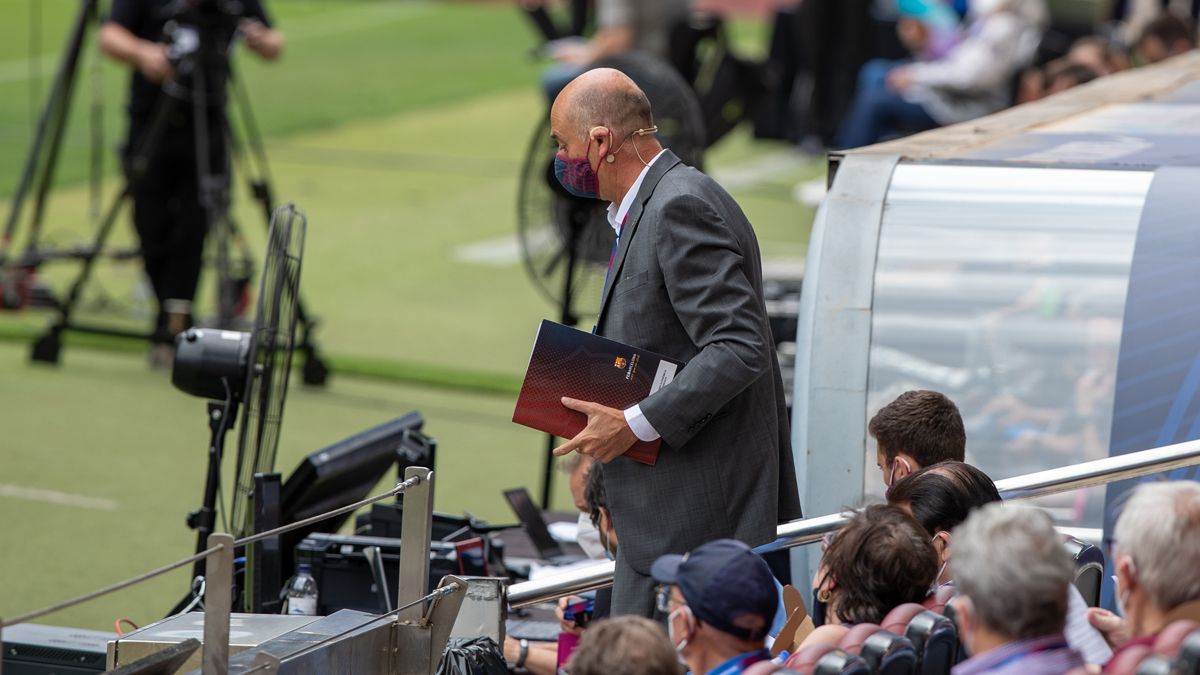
625 645
1156 555
917 429
974 79
1013 578
941 497
720 601
621 26
879 560
1168 35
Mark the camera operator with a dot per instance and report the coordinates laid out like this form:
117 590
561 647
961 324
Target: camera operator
167 209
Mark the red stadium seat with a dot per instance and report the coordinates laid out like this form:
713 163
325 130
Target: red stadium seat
937 601
1171 638
857 635
805 660
897 620
1127 662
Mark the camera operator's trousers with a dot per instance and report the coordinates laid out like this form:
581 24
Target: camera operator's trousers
167 213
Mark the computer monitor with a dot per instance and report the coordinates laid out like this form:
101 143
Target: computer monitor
534 523
344 473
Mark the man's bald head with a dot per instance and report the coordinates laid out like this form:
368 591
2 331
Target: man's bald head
603 97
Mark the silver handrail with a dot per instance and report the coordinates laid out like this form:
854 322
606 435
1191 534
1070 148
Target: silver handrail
809 530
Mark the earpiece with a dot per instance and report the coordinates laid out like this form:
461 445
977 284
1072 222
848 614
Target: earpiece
610 159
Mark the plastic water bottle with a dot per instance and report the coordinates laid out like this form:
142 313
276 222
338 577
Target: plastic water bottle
302 592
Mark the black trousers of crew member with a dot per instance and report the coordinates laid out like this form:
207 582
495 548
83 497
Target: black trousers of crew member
167 214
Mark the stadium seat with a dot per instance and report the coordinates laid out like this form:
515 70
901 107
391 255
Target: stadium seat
937 601
839 662
897 620
1127 662
1189 655
889 654
805 660
1089 569
853 640
1155 664
935 639
1171 638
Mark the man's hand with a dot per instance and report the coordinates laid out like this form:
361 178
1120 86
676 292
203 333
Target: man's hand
606 437
152 61
264 41
560 611
1114 629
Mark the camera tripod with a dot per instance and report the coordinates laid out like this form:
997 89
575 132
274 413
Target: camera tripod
217 150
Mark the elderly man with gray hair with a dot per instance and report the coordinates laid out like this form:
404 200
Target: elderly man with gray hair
1012 573
1156 554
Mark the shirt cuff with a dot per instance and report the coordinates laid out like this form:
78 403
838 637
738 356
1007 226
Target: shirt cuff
640 425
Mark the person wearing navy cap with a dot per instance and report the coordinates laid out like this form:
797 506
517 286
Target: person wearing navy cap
720 601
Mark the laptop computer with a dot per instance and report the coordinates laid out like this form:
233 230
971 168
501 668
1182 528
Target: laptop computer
535 526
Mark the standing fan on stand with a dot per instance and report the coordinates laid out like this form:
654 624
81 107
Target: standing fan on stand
232 369
566 241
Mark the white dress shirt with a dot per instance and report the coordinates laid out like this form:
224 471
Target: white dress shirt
616 215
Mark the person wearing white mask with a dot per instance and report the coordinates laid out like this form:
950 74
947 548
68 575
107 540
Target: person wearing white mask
974 79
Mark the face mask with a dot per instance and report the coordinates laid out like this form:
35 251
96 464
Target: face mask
937 578
981 7
588 538
891 479
576 175
818 606
682 645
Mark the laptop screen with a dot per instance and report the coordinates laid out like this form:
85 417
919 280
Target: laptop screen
533 522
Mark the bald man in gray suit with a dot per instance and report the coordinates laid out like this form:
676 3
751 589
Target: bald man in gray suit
686 282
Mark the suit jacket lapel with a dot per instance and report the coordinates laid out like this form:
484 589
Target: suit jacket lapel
656 173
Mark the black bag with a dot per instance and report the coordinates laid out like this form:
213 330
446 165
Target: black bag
477 656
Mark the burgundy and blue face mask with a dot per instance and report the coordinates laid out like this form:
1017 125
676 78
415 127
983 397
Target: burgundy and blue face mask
576 175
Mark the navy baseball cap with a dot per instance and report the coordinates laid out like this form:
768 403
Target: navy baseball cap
726 585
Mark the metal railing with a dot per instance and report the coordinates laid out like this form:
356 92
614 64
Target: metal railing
809 530
412 590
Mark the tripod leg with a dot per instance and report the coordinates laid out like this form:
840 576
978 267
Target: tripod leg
48 136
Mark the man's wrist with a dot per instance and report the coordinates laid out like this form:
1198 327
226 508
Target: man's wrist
523 654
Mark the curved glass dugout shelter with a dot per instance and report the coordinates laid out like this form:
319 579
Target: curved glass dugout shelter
1040 266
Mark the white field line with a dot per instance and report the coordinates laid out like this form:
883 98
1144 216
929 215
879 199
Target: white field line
56 497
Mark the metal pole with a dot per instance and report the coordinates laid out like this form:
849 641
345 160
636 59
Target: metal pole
218 602
415 534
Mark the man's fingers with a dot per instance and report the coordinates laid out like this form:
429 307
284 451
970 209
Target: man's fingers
566 448
577 405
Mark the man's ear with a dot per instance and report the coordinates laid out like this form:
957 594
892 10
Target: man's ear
1126 579
942 546
602 138
903 466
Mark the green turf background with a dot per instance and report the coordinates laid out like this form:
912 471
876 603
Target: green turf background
398 126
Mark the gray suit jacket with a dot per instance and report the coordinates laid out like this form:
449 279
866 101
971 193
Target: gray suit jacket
686 282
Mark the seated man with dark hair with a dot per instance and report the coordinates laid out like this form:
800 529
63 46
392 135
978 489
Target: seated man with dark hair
625 645
720 601
917 429
1013 576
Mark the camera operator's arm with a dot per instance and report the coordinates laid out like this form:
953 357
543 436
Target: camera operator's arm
148 57
262 39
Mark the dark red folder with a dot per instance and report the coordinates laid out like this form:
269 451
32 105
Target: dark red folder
587 367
